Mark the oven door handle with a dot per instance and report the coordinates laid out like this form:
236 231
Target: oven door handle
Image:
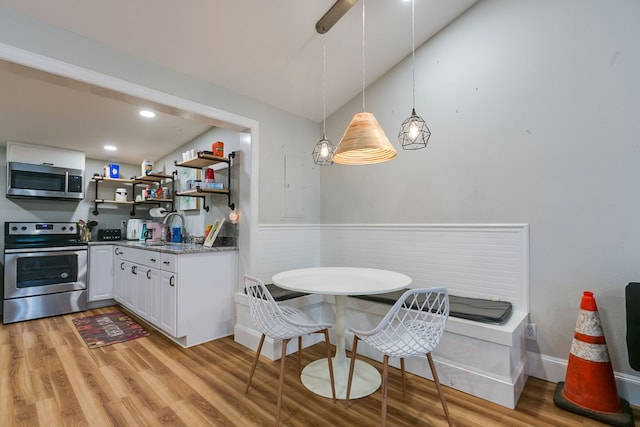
52 249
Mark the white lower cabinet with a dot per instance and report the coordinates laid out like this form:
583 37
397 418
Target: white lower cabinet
125 283
162 300
168 306
189 296
155 297
100 278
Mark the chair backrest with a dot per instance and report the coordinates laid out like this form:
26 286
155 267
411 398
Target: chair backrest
271 319
414 325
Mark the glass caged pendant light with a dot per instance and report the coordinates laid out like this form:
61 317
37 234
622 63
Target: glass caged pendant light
324 149
414 133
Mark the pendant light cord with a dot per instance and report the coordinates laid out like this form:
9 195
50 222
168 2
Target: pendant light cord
413 51
324 85
363 57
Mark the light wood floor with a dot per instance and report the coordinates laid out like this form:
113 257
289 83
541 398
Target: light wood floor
49 377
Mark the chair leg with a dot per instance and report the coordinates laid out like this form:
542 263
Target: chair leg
385 373
352 366
333 384
300 355
404 381
440 391
255 363
283 359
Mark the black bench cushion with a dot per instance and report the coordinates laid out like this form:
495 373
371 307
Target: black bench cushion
480 310
279 294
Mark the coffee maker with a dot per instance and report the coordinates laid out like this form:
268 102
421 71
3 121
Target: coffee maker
154 231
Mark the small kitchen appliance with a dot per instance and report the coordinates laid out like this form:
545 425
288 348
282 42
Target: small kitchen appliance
134 229
154 231
107 234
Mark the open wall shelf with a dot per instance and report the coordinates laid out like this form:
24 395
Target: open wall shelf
154 178
202 161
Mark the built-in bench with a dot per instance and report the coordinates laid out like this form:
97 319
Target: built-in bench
479 262
476 309
481 353
280 294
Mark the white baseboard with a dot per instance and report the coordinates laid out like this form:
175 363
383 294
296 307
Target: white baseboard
554 369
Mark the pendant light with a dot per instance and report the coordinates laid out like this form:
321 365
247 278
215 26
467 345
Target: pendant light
324 149
364 142
414 133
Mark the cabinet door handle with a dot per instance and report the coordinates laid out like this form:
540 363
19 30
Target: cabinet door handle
152 259
172 281
118 253
148 272
122 266
166 262
134 269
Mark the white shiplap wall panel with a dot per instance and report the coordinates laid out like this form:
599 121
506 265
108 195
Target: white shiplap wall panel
285 247
482 261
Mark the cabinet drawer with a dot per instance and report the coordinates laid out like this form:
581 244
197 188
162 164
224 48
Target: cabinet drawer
169 262
143 257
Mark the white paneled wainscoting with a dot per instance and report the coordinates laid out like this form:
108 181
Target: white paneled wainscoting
489 261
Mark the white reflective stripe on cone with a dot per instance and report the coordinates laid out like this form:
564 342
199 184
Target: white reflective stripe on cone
590 352
589 323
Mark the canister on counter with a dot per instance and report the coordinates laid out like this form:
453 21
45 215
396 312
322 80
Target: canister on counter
114 170
146 167
209 175
121 194
217 148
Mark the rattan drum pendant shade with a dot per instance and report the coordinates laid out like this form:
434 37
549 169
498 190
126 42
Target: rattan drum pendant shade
364 142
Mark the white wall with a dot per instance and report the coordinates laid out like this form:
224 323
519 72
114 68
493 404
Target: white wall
533 108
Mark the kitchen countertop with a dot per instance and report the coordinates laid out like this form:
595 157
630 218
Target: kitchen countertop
168 247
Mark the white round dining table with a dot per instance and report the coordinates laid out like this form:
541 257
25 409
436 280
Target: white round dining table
341 282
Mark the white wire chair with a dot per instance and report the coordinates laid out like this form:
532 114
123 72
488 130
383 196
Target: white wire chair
281 322
412 327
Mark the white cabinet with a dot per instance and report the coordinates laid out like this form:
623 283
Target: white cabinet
30 153
168 307
125 278
143 290
188 296
101 273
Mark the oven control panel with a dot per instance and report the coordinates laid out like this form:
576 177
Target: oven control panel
40 228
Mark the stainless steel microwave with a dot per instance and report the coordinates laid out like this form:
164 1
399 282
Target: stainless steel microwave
25 180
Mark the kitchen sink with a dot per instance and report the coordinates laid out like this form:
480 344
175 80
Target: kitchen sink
151 243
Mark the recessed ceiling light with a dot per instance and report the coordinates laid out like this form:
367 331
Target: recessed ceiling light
147 113
111 148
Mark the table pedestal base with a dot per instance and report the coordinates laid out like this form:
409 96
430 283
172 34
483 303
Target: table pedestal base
366 378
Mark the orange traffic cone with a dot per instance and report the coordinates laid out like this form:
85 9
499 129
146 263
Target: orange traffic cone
590 388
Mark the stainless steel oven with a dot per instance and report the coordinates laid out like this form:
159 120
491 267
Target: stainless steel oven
45 270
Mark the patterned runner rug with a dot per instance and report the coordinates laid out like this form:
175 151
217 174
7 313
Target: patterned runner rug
108 328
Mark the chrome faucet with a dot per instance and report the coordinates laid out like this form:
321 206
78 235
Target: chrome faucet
184 226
